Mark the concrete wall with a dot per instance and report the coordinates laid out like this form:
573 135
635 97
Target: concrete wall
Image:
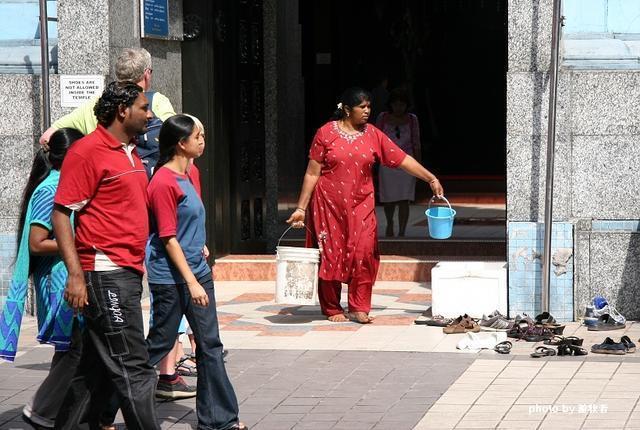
91 33
597 154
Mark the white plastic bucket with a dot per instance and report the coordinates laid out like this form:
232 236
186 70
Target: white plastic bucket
296 274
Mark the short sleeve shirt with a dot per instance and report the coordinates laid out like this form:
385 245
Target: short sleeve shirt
177 210
107 187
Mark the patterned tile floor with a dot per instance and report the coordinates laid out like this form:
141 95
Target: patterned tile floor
394 374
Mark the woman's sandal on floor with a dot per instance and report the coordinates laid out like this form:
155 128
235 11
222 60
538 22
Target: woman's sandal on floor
503 347
543 351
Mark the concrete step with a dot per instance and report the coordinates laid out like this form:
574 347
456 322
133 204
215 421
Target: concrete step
392 267
485 249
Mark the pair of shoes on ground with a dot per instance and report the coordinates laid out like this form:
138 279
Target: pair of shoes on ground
607 322
562 349
173 390
542 328
598 308
565 345
609 346
559 340
495 321
462 324
476 341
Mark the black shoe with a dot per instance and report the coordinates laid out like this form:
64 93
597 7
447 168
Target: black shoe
176 389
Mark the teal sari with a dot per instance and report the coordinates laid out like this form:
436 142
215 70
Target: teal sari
55 318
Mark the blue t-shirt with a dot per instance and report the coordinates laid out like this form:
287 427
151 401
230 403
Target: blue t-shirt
177 210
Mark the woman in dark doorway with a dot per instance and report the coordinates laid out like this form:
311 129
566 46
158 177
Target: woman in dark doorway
396 187
338 194
38 256
179 277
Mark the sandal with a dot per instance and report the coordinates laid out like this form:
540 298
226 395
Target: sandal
537 333
503 347
183 368
557 340
566 349
543 351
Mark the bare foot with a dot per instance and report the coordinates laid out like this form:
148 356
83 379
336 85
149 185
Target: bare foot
338 318
359 317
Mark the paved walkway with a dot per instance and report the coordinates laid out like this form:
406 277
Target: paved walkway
294 370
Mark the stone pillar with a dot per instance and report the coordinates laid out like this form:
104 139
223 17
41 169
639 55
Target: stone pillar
597 154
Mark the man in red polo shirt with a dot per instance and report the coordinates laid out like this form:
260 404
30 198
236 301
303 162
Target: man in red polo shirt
104 182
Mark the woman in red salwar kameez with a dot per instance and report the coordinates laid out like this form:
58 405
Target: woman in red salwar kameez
337 198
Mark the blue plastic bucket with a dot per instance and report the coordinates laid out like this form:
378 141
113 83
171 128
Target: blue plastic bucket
440 220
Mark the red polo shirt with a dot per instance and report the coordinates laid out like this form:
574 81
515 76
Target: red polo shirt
104 181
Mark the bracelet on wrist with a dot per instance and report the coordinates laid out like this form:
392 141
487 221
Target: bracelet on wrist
302 210
433 180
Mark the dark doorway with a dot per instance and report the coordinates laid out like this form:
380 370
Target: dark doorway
223 84
450 54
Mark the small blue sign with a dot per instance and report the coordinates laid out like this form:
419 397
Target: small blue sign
155 18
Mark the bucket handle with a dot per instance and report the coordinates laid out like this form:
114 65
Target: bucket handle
434 198
290 227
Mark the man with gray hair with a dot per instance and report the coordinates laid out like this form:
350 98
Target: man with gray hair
133 65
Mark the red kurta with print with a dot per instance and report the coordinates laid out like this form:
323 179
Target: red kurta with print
342 208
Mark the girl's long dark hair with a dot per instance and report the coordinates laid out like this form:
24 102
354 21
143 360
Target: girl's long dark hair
174 129
43 163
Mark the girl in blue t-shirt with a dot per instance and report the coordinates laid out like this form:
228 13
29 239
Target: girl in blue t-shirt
38 257
179 276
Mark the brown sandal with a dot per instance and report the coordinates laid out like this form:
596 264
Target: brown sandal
462 324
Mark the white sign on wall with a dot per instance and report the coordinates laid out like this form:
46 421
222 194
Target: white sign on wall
76 89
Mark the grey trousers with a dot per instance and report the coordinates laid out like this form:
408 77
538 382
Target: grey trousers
47 401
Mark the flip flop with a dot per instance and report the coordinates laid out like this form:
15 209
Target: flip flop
543 351
566 349
503 347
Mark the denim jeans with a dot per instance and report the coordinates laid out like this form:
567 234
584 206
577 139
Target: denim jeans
114 356
216 403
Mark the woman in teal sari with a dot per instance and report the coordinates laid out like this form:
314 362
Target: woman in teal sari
38 257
